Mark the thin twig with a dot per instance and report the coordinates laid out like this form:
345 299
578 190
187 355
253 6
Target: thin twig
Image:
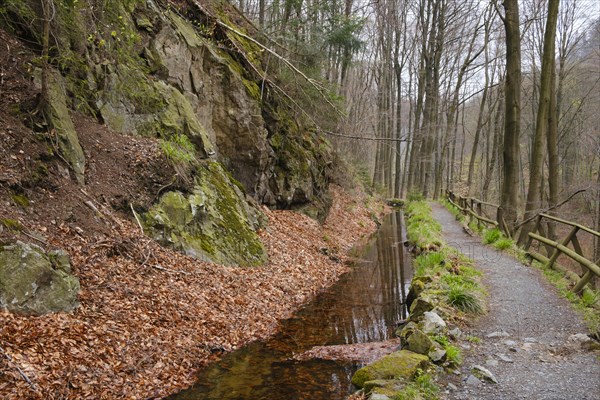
34 238
136 218
23 374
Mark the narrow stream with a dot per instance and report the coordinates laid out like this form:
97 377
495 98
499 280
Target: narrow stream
362 307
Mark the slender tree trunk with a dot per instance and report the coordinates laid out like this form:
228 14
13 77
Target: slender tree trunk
44 100
494 154
512 126
542 121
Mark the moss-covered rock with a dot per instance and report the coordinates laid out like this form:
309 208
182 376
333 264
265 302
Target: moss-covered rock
419 342
35 282
402 364
420 306
213 223
388 387
60 119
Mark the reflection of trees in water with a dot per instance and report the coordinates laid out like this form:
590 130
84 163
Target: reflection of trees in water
362 307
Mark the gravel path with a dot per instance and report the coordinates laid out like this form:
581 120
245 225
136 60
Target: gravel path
526 335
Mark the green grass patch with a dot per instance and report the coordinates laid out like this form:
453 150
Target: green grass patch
422 388
473 339
464 298
422 229
504 243
11 224
453 354
491 236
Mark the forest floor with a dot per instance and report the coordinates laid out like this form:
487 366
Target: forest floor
149 317
527 339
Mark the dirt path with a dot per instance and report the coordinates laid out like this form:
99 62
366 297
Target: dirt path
526 334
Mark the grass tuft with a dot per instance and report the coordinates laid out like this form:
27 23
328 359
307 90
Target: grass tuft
503 244
464 299
491 236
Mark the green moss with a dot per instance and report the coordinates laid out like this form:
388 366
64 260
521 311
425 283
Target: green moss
402 364
11 224
20 199
213 222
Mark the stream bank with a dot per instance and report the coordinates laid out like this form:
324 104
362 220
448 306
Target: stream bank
144 329
316 351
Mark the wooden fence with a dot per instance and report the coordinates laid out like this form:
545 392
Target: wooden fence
555 249
483 212
480 210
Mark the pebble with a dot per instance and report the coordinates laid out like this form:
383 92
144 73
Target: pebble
473 381
497 334
452 387
491 362
510 343
504 358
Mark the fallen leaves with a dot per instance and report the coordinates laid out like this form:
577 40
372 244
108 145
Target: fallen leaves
143 332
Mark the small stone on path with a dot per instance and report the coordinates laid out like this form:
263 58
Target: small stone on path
497 334
504 358
473 381
483 374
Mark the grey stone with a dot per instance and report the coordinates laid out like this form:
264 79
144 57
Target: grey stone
504 358
452 387
419 342
60 119
473 381
455 333
420 306
580 337
490 362
497 334
510 343
432 323
483 374
213 223
437 354
378 396
400 364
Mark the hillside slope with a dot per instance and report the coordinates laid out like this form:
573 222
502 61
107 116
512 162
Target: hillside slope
160 159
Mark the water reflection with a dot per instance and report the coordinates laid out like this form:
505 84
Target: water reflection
362 307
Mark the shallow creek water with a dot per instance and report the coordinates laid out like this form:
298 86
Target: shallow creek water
362 307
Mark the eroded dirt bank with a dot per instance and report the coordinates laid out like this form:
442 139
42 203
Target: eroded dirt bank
150 317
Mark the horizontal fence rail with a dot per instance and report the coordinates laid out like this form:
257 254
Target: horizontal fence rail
479 210
476 209
555 249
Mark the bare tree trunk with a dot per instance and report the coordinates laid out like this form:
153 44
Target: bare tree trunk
44 100
512 126
543 115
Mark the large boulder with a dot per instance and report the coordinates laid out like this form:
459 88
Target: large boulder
213 223
35 282
402 364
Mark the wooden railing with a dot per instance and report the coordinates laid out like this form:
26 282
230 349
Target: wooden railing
474 208
479 210
555 249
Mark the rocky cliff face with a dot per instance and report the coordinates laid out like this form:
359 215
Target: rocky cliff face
169 70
